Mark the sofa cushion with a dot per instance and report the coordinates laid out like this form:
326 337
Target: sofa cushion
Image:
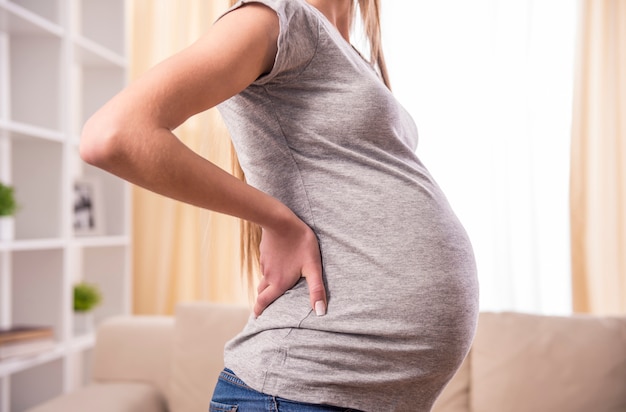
522 362
201 330
108 397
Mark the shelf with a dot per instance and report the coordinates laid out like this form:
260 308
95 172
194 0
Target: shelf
18 364
49 10
90 54
60 61
101 241
15 19
32 245
82 343
17 130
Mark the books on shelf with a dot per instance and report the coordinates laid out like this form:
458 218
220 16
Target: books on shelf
20 341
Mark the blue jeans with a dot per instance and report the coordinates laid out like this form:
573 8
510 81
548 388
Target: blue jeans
231 394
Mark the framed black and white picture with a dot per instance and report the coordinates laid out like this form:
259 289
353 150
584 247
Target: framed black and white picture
88 212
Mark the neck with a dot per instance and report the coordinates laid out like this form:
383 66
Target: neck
338 12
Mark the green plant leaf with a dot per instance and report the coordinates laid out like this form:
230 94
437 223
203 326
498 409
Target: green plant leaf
86 297
8 205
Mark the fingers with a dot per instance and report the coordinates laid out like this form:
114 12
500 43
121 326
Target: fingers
317 291
267 293
263 283
266 296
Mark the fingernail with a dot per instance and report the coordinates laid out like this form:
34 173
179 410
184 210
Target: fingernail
320 308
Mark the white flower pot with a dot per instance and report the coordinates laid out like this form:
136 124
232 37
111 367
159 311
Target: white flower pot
83 323
7 228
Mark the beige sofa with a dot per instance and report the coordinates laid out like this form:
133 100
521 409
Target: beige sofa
518 362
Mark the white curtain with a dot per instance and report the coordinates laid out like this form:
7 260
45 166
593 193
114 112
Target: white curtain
598 162
489 83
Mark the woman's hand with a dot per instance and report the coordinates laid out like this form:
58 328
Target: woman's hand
287 254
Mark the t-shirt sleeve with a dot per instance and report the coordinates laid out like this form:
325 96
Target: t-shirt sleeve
297 39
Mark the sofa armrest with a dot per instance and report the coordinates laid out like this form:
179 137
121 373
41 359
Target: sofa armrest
202 329
134 348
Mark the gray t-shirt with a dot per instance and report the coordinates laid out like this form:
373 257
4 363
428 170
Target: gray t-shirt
322 134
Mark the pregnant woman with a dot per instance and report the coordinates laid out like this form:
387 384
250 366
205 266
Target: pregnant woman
368 295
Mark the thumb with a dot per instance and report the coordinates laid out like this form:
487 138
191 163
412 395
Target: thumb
317 291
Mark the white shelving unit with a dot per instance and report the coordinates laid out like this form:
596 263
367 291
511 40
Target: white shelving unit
59 61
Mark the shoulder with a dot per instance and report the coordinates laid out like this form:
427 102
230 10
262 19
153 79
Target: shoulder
281 7
293 15
298 35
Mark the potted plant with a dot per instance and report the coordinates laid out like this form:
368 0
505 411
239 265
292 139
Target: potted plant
86 297
8 207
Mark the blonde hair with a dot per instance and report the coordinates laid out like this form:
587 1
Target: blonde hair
370 15
251 232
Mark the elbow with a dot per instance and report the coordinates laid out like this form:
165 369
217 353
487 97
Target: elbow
99 142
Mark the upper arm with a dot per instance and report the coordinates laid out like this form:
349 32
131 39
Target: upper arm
235 51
